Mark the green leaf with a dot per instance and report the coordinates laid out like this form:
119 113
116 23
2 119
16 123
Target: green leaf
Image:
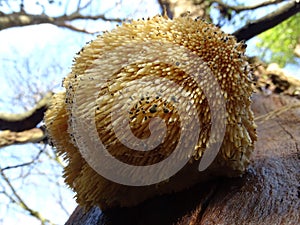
278 44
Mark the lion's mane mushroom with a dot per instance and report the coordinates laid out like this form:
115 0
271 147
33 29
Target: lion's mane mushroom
224 57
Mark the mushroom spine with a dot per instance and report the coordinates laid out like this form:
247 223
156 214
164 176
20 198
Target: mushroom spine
107 83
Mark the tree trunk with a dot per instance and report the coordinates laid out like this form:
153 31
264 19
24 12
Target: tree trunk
269 193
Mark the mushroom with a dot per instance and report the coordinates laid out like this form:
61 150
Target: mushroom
136 73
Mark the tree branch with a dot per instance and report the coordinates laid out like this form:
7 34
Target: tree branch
256 27
21 202
33 135
24 164
71 27
27 120
24 19
165 7
240 8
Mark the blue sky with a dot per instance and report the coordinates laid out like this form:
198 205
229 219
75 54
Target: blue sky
47 51
41 55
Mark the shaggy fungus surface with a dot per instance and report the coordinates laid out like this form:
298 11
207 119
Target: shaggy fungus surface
227 64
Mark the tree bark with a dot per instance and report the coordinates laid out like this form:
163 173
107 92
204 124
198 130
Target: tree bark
256 27
26 120
177 8
269 193
33 135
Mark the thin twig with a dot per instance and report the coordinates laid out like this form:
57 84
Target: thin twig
24 164
21 202
276 112
240 8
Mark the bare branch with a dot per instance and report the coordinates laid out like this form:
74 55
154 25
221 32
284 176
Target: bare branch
256 27
75 16
71 27
34 135
78 6
27 120
83 7
21 19
21 202
24 164
240 8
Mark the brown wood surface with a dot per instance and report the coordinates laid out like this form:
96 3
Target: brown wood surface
269 193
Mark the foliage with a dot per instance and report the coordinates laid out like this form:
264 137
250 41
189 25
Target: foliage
278 44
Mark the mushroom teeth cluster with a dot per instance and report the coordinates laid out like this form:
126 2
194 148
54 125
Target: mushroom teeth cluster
221 53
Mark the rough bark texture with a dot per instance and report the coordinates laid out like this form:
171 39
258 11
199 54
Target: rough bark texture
269 193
